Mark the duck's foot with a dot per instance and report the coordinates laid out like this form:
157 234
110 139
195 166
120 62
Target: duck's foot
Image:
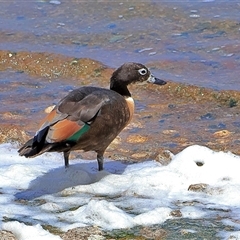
100 160
66 159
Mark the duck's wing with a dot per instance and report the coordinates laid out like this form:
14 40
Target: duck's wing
66 123
70 119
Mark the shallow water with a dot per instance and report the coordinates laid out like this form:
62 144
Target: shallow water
192 42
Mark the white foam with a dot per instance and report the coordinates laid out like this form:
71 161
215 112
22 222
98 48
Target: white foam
24 232
121 196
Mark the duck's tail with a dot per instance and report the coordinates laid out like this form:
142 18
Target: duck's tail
29 150
37 146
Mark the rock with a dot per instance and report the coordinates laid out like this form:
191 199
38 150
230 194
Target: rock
169 132
137 139
90 233
164 157
6 235
222 134
150 233
199 187
10 133
203 187
176 213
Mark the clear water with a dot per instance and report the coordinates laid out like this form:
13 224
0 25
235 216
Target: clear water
196 42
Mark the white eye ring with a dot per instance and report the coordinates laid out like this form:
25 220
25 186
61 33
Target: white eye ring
143 71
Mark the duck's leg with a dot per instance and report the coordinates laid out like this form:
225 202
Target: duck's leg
100 160
66 158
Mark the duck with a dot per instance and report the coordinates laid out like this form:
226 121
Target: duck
89 118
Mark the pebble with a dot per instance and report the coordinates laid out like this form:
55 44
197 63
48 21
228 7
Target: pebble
49 109
139 155
137 139
171 106
169 132
207 116
194 15
55 2
152 53
216 49
222 134
149 233
176 213
144 49
228 55
90 233
199 187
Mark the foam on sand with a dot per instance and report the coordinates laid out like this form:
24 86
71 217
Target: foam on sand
40 191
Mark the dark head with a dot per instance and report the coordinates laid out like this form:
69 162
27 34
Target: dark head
131 73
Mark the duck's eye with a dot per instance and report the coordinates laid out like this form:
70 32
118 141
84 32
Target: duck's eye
142 71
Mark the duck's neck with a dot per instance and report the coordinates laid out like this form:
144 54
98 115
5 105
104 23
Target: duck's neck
120 88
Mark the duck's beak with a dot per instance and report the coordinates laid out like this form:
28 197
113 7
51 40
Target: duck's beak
155 80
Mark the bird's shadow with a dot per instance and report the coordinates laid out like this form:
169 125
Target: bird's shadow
57 179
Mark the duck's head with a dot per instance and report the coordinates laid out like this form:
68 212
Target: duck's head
132 73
